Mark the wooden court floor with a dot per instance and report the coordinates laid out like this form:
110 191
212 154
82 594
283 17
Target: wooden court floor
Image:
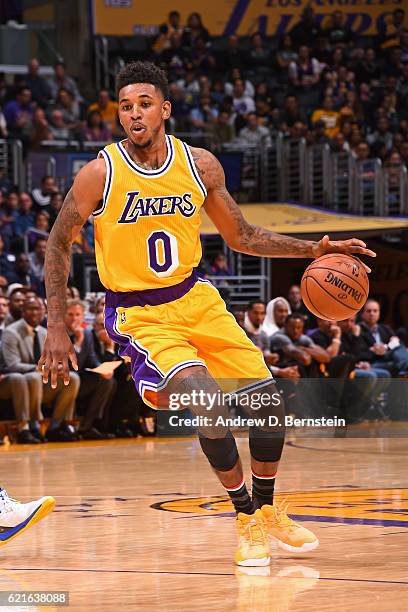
144 525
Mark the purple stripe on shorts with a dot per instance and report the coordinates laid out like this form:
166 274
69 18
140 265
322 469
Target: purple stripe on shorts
151 297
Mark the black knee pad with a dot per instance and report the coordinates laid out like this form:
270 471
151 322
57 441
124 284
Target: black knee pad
222 453
266 445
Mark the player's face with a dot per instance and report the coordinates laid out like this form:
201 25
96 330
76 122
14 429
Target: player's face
142 113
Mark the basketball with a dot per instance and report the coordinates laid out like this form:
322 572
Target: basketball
335 287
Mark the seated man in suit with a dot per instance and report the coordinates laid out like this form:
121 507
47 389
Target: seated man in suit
15 387
96 391
385 349
22 343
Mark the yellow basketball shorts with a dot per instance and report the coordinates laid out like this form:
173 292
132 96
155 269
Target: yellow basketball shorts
165 330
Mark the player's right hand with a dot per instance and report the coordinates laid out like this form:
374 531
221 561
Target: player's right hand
57 352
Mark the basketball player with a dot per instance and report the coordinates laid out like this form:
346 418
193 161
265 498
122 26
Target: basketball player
145 194
15 518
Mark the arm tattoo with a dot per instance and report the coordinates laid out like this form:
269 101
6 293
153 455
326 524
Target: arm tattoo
57 258
251 239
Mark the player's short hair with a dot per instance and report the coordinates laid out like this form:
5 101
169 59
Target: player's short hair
143 72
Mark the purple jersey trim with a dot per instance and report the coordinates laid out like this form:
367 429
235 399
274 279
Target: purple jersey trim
150 297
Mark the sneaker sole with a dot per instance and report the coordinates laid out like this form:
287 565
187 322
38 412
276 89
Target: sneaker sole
307 547
254 562
46 507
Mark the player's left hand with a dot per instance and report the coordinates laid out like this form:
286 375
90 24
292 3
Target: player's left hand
353 246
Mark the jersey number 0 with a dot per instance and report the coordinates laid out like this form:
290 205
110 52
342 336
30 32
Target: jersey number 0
162 252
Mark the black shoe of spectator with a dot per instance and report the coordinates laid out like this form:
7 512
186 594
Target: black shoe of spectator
26 437
58 434
70 429
123 432
95 434
37 434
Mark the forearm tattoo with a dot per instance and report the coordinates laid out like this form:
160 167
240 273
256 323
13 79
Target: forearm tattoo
57 258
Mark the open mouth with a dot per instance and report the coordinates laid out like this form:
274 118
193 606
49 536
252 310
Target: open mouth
138 129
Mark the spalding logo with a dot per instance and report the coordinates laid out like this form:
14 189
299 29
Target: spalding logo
332 279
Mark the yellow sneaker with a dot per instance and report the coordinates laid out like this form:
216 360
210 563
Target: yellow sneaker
290 535
253 546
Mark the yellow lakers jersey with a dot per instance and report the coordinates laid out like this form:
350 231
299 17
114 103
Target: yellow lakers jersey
147 231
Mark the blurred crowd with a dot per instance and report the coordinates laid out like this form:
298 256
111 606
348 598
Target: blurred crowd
351 363
322 83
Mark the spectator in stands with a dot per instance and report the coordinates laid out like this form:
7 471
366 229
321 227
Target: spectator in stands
304 73
370 381
277 311
69 107
404 153
38 85
297 306
39 129
233 56
368 70
338 33
42 195
62 79
382 135
107 108
202 57
254 133
180 109
95 391
203 116
390 28
286 54
328 116
219 266
17 299
392 64
126 402
166 31
59 129
15 387
194 30
328 336
362 151
402 92
22 344
3 125
384 346
307 30
55 206
37 258
295 348
291 113
8 218
22 274
236 73
4 311
189 84
222 130
6 262
241 103
298 130
258 54
253 321
96 130
18 112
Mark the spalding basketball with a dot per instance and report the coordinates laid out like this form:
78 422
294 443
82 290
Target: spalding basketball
334 287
